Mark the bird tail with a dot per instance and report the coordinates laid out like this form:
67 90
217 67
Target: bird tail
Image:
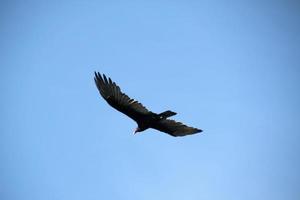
167 114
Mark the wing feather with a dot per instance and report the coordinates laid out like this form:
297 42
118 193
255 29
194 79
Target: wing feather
111 92
174 128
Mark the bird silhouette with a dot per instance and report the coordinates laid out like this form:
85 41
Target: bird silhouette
145 119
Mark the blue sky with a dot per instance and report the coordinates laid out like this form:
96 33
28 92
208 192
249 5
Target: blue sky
229 68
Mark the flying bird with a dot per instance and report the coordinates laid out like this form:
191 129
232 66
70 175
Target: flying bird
145 119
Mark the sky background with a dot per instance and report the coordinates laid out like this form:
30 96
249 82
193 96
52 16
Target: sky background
231 68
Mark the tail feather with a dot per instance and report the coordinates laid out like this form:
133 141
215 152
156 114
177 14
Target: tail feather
167 114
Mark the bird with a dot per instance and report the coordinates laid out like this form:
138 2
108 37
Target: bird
144 118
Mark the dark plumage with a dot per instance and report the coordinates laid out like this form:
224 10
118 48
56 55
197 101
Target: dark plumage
145 119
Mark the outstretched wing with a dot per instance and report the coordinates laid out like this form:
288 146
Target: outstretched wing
111 92
174 128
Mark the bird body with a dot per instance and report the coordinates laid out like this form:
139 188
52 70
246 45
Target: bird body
145 119
149 120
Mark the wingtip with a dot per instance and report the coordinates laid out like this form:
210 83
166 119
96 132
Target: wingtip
97 74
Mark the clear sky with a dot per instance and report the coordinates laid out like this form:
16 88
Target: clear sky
231 68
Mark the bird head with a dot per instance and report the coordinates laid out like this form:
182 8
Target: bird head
137 130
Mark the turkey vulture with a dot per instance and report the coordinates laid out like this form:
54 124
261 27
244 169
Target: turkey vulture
145 119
